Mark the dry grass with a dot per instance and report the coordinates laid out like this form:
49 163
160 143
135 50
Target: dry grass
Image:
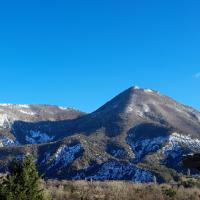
115 190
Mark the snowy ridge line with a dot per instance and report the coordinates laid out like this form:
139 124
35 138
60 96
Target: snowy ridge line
15 105
6 104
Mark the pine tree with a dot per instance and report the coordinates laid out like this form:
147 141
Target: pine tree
22 183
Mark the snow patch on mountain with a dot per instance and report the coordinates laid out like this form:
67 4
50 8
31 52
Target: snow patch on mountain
138 108
136 87
148 90
198 117
177 142
5 104
23 106
171 146
37 137
4 122
114 170
66 154
145 146
146 108
62 108
15 105
131 106
27 112
5 141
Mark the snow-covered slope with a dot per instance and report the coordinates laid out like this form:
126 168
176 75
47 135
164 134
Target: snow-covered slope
34 113
12 117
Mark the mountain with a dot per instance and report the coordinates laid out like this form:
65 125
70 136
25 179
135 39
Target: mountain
13 117
137 135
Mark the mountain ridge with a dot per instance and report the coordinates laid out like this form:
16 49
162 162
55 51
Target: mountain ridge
138 134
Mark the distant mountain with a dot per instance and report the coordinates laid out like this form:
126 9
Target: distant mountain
137 135
17 122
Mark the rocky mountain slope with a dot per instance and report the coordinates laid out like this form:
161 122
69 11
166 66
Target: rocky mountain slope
137 135
12 117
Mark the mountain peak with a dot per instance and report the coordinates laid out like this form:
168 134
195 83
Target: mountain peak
146 90
134 125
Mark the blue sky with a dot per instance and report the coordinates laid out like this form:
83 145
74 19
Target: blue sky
82 53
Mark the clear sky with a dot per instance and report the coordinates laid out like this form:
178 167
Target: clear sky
82 53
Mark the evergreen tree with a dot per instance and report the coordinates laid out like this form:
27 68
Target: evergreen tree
22 183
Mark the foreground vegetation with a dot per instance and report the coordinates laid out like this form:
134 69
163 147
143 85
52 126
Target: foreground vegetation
114 190
24 183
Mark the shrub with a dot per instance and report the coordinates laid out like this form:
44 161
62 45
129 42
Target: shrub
169 192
